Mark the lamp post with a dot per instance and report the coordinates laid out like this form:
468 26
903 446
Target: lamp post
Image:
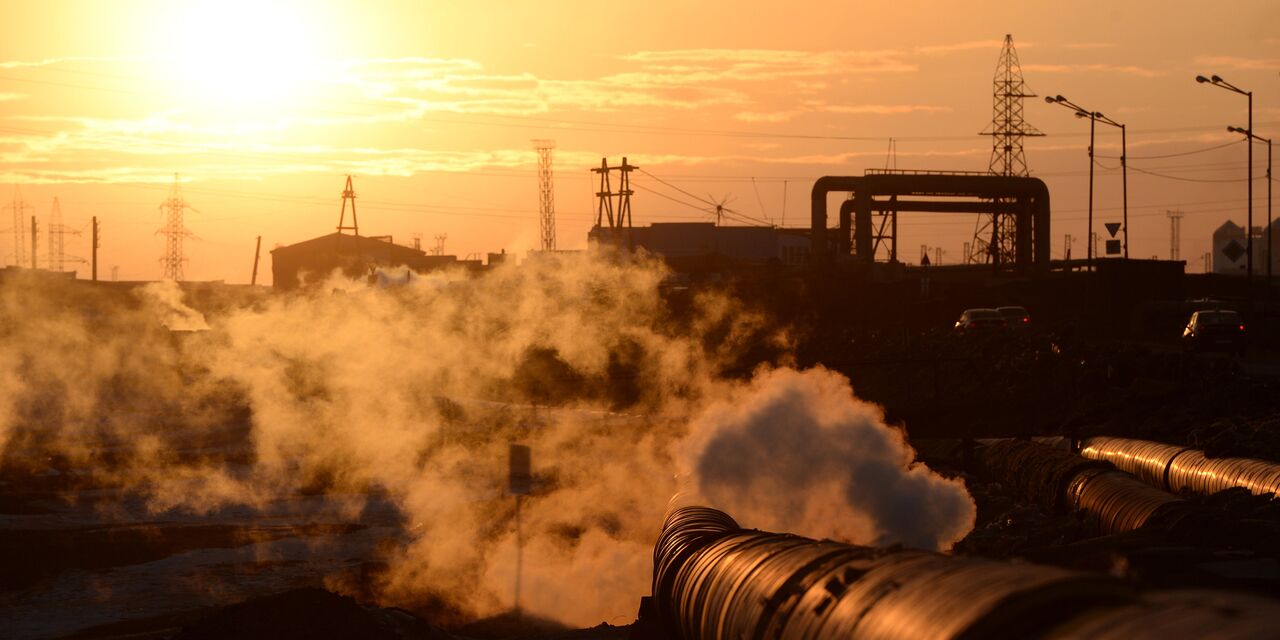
1223 84
1094 118
1124 176
1251 137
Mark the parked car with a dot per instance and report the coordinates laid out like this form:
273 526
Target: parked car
1214 329
980 320
1018 317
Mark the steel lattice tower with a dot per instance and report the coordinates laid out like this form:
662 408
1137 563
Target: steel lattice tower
620 217
56 232
995 237
546 194
348 195
19 209
174 232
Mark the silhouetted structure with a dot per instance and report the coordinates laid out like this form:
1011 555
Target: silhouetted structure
618 217
19 210
1025 200
704 244
174 232
348 196
546 194
995 238
318 257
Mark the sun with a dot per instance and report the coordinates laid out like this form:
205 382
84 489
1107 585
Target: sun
247 58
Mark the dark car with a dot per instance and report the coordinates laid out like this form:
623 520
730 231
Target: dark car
1215 329
980 320
1018 317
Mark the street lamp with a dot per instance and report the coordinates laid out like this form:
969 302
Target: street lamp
1219 82
1094 118
1251 137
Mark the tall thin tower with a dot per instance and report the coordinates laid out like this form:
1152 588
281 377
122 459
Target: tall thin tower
19 209
348 196
994 239
56 232
1175 233
546 194
174 233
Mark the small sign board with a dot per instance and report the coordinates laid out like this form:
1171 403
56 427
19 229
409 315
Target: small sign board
1113 247
1112 228
1233 251
519 474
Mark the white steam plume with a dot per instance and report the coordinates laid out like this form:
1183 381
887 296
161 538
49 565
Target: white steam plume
417 391
795 451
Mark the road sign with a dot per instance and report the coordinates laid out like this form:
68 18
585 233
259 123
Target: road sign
1112 228
1113 247
1233 251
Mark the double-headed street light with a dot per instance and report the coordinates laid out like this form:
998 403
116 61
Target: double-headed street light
1094 118
1219 82
1251 137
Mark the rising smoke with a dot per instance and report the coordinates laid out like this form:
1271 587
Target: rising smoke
415 392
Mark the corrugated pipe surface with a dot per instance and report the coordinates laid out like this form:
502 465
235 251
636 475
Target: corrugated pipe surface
1177 468
713 580
1057 478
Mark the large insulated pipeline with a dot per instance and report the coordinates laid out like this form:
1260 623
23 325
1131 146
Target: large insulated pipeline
1057 478
1174 468
714 580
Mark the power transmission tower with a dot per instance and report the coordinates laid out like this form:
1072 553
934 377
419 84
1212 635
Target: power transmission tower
174 233
546 194
439 248
605 211
1175 233
348 195
19 209
995 238
57 233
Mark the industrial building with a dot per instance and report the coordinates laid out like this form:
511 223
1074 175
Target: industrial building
292 265
1229 248
686 243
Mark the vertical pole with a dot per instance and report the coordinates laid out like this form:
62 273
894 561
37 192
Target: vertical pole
33 242
1124 181
1269 241
257 251
519 555
1249 228
1092 125
95 248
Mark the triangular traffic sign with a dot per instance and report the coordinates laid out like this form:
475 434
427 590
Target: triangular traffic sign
1112 228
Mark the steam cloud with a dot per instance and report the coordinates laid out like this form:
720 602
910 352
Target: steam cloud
797 452
415 392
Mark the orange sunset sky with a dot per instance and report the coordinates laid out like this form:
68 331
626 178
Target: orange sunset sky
263 106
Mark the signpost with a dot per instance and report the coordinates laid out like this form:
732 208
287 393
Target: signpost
519 482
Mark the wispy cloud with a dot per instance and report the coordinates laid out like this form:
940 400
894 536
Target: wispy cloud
846 109
1235 62
972 45
1094 68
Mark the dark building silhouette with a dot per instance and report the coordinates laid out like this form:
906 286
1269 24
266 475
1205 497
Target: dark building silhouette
679 242
312 260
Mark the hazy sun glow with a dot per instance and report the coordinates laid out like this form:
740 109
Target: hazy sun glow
255 58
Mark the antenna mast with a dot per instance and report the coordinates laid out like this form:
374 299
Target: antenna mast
995 238
546 193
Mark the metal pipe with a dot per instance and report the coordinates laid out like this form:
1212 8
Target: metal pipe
714 580
1177 469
